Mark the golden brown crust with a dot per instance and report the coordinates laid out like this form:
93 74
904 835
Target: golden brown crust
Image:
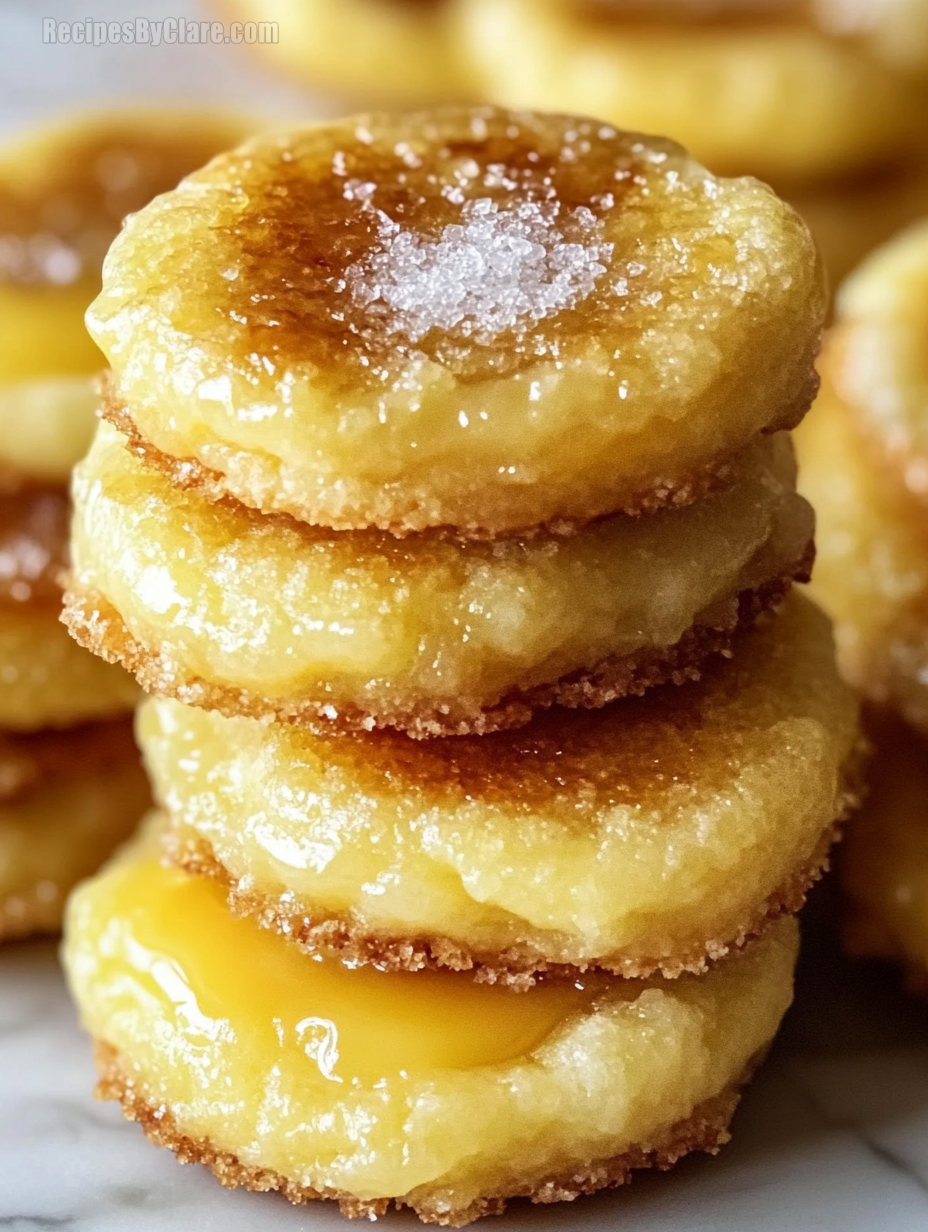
189 474
343 937
706 1129
96 625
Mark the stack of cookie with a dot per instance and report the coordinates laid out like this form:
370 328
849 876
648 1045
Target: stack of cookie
864 454
442 458
71 785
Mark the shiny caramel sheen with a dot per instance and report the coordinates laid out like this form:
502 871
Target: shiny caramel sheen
423 629
879 354
647 833
372 1084
267 320
871 571
794 97
47 680
66 800
64 192
885 861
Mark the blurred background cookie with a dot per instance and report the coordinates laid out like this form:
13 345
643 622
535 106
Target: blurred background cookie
884 866
74 785
860 454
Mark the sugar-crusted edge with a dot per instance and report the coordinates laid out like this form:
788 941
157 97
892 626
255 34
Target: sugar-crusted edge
706 1130
189 474
96 625
517 967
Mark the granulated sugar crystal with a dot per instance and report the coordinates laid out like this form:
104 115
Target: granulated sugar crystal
498 269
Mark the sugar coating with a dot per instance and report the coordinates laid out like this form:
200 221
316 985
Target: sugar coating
495 269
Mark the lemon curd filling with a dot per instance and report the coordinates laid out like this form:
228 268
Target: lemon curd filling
367 1085
319 1019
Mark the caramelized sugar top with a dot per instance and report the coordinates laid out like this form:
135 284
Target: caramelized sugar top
32 759
34 531
480 239
56 226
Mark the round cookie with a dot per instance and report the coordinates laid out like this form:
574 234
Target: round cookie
46 679
402 49
64 191
228 608
790 92
884 866
653 834
878 355
370 1087
66 800
469 317
871 572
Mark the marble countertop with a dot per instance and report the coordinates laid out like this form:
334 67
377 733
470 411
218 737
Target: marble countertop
832 1137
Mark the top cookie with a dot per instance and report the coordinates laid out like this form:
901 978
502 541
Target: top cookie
467 317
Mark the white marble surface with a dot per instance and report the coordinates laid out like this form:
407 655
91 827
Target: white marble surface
833 1137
